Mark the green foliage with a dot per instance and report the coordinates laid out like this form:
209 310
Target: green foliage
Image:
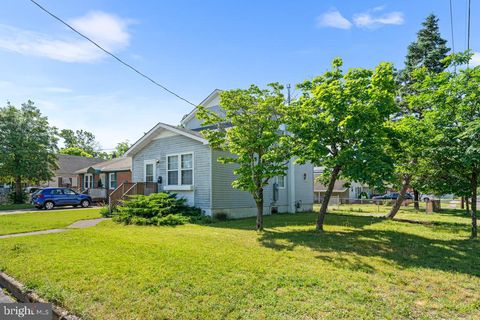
13 197
429 50
74 151
121 148
156 209
27 145
80 139
105 211
250 132
340 123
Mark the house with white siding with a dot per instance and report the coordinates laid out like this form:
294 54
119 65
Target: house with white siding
181 161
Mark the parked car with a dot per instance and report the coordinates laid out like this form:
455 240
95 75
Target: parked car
49 198
30 191
392 196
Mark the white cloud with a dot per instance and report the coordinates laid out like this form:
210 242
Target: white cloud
58 90
475 61
108 30
367 20
333 19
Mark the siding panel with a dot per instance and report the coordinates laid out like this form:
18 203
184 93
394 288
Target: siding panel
160 148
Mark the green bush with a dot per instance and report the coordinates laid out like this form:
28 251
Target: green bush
105 211
157 209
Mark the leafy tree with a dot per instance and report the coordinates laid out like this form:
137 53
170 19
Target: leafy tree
257 146
339 123
80 139
455 151
121 148
428 51
27 146
75 152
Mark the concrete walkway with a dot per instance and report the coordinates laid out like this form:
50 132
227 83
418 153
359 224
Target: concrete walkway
76 225
19 211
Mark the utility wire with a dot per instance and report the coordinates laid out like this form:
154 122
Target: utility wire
468 23
111 54
453 35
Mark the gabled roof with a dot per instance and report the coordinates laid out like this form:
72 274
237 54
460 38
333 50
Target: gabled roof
68 164
207 100
117 164
143 141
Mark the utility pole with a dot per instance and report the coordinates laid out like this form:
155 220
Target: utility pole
288 94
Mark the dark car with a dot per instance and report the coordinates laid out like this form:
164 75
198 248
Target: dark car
392 196
49 198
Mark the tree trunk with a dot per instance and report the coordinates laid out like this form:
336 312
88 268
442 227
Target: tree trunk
326 199
474 185
416 199
18 190
401 197
462 203
259 203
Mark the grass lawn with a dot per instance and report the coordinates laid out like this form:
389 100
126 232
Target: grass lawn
362 267
43 220
15 206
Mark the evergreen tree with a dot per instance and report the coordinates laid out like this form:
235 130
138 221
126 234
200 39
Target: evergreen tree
428 51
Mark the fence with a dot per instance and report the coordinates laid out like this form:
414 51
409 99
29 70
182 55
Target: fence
129 189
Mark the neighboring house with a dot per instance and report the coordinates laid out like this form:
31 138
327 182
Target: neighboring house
106 175
65 175
182 162
343 191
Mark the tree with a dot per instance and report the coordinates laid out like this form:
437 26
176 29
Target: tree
253 137
339 123
27 146
121 148
428 51
453 161
75 152
80 139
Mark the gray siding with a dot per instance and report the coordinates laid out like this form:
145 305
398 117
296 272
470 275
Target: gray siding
224 196
160 148
304 187
194 123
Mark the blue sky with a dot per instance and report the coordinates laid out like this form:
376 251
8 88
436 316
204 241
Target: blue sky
193 47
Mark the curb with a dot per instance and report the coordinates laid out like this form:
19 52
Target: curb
19 292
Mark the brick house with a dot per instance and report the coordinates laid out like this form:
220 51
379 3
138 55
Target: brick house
106 175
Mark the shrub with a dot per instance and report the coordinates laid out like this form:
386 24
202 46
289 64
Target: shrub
105 211
157 209
221 216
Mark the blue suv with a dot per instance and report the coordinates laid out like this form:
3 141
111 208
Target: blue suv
49 198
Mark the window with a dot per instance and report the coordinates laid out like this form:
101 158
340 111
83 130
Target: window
187 169
281 182
69 192
172 170
88 181
112 180
180 169
150 170
56 192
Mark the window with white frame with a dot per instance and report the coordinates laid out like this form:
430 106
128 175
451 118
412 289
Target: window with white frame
88 181
281 182
180 169
112 180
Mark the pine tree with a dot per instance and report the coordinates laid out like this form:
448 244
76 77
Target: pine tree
429 51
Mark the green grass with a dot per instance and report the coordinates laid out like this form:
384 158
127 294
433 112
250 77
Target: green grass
15 206
43 220
362 267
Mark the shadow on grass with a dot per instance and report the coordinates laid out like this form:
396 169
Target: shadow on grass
356 242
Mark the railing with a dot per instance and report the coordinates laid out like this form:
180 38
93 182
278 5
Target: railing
129 189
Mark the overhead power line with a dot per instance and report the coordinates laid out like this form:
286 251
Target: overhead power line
111 54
